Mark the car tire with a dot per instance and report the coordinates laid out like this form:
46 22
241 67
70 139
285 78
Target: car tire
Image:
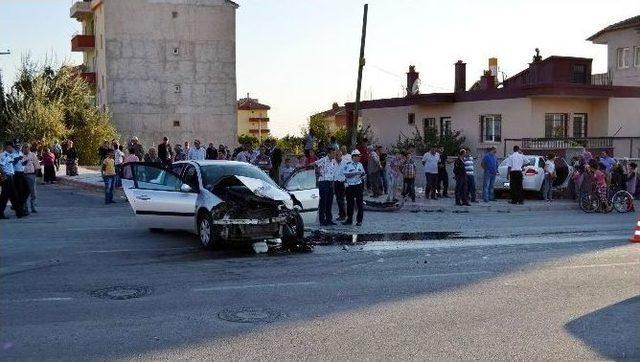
207 234
294 232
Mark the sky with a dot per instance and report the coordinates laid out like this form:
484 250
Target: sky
300 56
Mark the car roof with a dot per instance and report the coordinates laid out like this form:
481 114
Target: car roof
212 162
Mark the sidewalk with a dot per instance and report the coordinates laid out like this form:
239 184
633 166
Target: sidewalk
500 205
87 179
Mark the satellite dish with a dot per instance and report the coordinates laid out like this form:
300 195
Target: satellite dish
415 88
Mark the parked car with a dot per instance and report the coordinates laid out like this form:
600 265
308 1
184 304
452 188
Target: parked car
533 174
221 201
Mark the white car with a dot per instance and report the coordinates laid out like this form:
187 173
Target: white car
533 174
221 201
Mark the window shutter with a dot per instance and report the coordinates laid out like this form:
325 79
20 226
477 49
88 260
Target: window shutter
482 135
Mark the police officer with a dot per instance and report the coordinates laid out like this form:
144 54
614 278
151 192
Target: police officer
354 179
7 163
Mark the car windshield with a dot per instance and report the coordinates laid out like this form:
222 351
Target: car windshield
211 174
530 161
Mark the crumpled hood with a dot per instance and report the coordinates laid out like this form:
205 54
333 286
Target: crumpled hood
266 190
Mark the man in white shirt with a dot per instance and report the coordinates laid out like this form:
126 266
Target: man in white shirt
515 164
196 152
326 169
7 163
430 161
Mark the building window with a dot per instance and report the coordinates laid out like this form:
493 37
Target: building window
176 51
177 88
174 14
555 125
101 42
411 118
491 128
579 125
428 124
623 57
176 123
102 83
636 57
579 72
445 126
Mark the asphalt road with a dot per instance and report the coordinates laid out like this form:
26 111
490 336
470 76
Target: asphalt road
537 290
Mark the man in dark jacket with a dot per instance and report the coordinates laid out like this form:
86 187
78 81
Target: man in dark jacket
212 152
165 153
460 173
276 160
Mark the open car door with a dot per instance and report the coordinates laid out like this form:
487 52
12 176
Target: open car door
303 186
159 198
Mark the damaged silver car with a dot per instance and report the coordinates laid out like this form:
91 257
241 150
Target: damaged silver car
223 202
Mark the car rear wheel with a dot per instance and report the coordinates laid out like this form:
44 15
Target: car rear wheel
209 238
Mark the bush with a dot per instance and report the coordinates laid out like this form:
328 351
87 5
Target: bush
46 104
452 142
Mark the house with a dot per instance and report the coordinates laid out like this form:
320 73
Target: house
552 104
334 118
623 52
253 118
162 68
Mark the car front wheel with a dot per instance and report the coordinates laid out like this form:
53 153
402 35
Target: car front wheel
207 232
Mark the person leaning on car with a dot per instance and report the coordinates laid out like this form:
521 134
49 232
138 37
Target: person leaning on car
515 164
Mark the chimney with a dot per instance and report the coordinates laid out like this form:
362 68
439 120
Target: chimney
487 81
412 76
461 77
335 106
493 66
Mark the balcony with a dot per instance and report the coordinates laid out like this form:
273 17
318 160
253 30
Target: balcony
260 131
81 10
83 43
600 79
259 119
89 77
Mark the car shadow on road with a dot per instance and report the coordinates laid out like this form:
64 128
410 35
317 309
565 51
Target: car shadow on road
620 322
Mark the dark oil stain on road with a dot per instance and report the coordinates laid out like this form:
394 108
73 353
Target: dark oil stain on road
325 238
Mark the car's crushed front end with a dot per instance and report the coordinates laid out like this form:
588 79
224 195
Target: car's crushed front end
252 209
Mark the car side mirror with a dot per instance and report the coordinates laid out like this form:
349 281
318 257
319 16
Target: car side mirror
185 188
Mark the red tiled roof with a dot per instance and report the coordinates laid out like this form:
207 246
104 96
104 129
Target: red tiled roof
624 24
335 110
250 104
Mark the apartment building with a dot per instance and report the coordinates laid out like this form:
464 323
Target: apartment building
253 118
162 67
334 118
553 104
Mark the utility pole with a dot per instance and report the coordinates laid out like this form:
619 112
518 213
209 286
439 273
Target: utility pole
356 108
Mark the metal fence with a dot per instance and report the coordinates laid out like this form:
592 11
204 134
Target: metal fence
621 146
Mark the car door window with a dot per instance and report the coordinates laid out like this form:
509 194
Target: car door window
541 162
191 177
304 179
177 168
155 178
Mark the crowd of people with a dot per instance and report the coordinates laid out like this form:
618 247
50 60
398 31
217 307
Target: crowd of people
20 166
343 175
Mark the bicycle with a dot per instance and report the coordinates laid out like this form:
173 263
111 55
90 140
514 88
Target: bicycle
622 201
592 202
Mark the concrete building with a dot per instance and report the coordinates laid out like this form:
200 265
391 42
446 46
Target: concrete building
253 118
623 52
334 118
553 104
162 67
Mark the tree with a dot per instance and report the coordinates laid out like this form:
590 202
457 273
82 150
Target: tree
245 138
291 144
451 141
47 104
